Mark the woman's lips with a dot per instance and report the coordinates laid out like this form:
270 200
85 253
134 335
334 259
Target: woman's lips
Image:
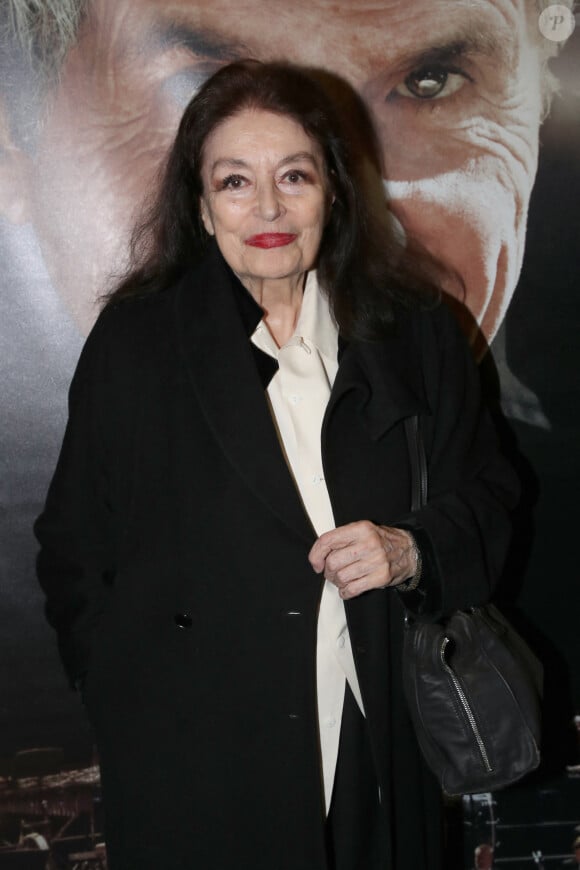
270 240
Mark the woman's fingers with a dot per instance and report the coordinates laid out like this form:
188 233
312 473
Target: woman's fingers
351 536
362 556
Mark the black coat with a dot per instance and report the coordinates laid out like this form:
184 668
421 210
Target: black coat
174 560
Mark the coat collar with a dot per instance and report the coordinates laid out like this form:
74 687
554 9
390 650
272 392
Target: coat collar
215 317
388 376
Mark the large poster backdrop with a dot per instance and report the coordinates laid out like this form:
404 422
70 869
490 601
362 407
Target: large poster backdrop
91 92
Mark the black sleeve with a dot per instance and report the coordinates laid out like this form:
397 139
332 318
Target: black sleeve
463 533
76 560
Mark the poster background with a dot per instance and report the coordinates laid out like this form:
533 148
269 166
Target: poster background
539 347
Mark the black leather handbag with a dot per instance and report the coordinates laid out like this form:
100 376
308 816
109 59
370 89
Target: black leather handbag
472 685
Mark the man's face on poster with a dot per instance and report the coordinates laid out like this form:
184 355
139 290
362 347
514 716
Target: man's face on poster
453 85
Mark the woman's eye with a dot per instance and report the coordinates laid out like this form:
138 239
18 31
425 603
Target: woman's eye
431 83
232 182
295 176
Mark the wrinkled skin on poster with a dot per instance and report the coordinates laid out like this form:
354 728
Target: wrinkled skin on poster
454 87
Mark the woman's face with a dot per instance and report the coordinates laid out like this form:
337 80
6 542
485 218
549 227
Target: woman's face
265 197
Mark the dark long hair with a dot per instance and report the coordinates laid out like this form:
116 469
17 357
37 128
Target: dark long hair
362 266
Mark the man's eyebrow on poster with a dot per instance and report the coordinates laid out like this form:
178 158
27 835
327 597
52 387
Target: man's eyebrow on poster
200 51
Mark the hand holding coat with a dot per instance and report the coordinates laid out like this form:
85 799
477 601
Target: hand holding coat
362 556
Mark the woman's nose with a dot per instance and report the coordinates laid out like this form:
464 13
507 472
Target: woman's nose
269 204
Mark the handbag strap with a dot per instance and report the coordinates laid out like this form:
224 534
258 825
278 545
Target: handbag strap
418 461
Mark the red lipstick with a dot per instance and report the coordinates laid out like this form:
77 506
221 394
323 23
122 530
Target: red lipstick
270 240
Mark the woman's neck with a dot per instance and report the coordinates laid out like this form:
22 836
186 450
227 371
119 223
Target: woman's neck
281 300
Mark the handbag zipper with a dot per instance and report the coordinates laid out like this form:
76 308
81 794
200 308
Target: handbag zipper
466 707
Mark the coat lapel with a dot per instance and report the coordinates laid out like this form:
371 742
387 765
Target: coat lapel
388 376
213 332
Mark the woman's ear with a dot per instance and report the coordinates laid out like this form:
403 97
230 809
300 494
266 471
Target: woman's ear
330 193
206 217
15 166
330 200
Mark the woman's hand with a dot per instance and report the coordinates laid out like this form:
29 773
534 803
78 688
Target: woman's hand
362 556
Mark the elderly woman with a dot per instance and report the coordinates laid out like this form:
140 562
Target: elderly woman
227 545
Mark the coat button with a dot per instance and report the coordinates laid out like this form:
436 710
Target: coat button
183 620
